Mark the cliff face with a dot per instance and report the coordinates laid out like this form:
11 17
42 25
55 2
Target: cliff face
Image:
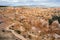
23 23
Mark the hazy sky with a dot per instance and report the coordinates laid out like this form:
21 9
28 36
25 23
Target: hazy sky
50 3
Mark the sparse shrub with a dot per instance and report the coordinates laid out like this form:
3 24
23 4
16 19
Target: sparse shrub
59 19
18 31
50 21
53 19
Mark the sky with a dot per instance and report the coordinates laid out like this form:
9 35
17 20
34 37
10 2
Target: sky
49 3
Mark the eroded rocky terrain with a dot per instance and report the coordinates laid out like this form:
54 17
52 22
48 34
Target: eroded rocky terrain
25 23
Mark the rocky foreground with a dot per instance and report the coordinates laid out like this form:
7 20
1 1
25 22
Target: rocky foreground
26 23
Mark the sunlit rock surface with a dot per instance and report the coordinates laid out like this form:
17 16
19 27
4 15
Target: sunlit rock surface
27 23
